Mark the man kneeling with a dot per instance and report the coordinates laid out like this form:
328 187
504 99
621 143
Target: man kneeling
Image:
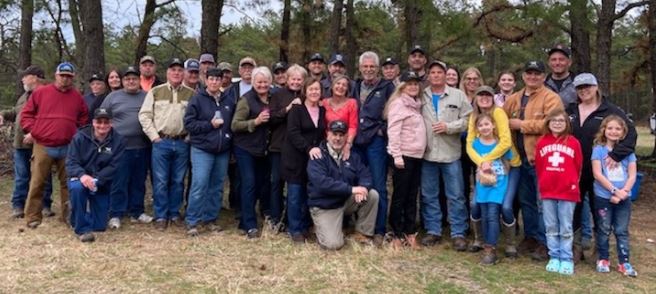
93 157
339 186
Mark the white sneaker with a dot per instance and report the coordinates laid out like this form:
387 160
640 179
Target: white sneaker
143 218
114 223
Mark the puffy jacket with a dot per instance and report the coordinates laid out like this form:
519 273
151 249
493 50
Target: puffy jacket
330 183
371 120
406 129
98 159
198 117
567 91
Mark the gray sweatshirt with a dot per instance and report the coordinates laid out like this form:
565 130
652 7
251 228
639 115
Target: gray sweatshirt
125 110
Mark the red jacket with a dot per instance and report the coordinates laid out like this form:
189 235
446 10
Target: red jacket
558 164
53 116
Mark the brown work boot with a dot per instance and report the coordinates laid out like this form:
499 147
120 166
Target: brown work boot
489 255
161 224
527 245
540 253
577 253
459 244
509 234
476 228
431 240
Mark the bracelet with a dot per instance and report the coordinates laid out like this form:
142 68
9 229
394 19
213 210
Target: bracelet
612 191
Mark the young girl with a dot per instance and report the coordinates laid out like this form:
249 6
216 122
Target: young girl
491 185
558 161
612 189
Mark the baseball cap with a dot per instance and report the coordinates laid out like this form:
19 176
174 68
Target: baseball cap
337 58
410 76
214 72
65 68
317 57
176 62
485 89
224 66
147 58
247 60
206 58
192 65
585 79
560 48
418 48
131 70
33 70
96 77
280 65
102 113
535 65
338 126
441 64
389 60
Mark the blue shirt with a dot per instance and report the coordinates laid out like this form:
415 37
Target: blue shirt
617 176
492 194
436 103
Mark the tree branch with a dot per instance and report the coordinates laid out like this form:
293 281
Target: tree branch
164 3
626 9
494 9
170 43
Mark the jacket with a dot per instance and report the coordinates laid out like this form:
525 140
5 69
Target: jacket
540 103
248 136
558 163
198 117
371 122
330 183
97 159
406 130
567 91
505 140
280 98
163 110
53 116
302 135
454 109
586 132
13 115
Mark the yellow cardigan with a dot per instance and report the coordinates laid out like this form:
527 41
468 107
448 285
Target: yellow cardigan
505 140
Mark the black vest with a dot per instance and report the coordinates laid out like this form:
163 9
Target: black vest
257 142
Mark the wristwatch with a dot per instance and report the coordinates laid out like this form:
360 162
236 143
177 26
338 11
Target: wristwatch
612 191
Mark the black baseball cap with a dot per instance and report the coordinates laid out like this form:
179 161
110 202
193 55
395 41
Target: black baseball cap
317 57
562 49
35 71
102 113
535 65
176 62
338 126
418 48
96 77
389 60
280 65
410 76
131 70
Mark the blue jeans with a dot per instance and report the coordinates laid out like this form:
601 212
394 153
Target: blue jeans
252 174
208 172
170 159
558 216
586 218
22 177
530 203
374 156
490 224
613 218
298 214
275 200
89 212
430 204
507 212
129 184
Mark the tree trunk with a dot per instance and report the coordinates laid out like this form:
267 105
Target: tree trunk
144 30
604 43
74 8
209 29
411 16
578 18
306 22
92 24
335 25
351 44
284 31
25 46
652 58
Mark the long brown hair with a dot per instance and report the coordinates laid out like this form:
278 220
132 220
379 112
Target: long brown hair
554 114
600 138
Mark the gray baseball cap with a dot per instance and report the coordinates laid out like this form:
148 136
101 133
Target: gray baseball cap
585 79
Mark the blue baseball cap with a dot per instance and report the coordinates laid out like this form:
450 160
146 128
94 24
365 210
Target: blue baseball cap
192 64
65 68
337 58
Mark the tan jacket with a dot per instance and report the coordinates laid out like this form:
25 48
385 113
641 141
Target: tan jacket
454 109
163 111
540 103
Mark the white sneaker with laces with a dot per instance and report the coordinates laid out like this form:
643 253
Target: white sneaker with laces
143 218
114 223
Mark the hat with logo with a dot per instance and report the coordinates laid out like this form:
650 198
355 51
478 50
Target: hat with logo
176 62
102 113
280 65
562 49
96 77
389 60
338 126
206 57
410 76
131 70
317 57
147 58
65 68
418 48
337 58
534 65
192 64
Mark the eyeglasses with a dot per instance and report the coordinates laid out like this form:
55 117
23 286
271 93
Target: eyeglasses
559 121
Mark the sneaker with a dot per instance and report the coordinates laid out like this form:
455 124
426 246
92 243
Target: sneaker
378 240
161 224
459 244
566 268
603 266
114 223
33 224
431 240
541 253
142 219
17 212
253 233
47 212
627 270
553 265
87 237
192 231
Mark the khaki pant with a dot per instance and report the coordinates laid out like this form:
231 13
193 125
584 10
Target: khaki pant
328 222
40 167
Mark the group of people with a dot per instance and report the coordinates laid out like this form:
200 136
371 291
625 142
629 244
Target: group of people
557 147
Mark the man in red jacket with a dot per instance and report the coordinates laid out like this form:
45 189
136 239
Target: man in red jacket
50 119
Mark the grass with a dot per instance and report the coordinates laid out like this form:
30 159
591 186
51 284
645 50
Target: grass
137 258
